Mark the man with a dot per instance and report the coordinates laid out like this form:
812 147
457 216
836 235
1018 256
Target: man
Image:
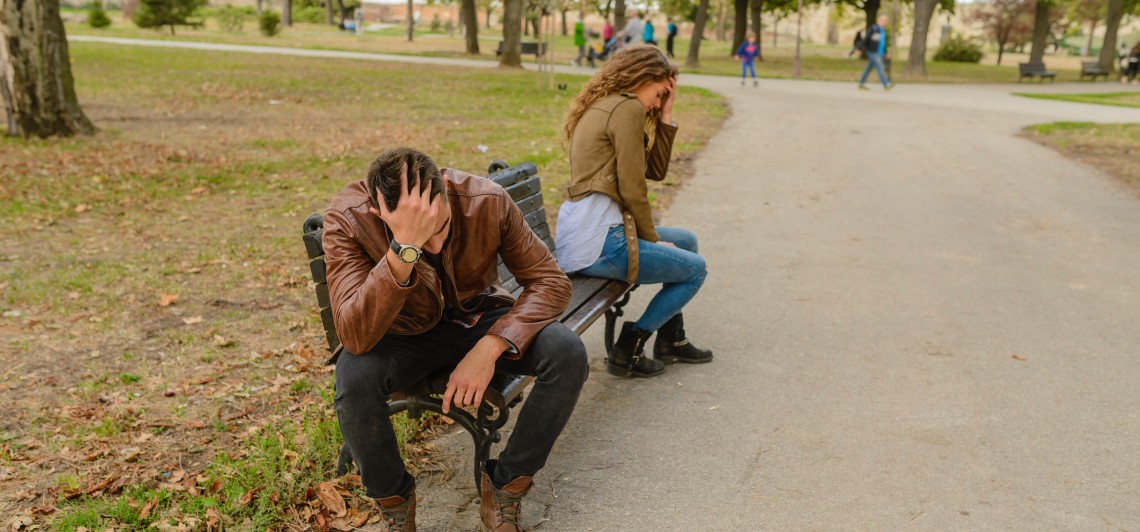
672 28
647 36
633 28
875 46
411 254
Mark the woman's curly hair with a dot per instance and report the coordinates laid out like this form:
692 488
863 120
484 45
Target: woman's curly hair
628 70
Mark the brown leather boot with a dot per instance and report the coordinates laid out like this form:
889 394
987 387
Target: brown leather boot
399 513
501 510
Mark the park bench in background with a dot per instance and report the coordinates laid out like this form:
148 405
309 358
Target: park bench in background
1092 69
537 49
592 298
1032 70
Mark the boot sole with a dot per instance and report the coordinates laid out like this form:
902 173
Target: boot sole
619 371
674 360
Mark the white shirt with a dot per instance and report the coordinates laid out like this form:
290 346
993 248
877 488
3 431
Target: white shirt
582 228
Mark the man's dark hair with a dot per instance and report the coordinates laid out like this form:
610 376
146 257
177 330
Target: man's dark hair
384 175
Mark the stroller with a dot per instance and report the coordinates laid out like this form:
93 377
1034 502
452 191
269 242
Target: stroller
604 51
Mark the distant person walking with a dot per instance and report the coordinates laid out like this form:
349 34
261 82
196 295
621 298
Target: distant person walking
875 44
580 39
647 33
607 31
672 29
747 54
1133 65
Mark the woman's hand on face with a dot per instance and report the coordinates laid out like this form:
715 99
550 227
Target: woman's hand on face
667 103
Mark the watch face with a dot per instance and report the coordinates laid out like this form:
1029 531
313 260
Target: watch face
409 254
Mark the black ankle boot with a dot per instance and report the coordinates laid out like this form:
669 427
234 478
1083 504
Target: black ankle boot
627 359
672 345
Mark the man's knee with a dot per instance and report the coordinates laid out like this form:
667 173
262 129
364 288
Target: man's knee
362 376
564 354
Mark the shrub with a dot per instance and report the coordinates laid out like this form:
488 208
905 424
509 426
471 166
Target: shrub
159 13
270 23
96 17
959 49
231 18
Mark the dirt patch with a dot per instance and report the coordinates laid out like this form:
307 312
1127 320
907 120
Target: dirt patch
1112 148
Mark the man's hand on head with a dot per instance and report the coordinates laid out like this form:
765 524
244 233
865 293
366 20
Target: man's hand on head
473 374
413 221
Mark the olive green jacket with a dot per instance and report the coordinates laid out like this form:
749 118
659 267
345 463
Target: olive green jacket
608 155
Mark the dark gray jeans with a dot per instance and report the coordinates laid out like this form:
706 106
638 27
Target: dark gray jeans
557 359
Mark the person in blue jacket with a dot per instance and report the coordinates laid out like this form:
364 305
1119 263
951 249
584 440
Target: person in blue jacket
747 54
672 35
875 46
647 32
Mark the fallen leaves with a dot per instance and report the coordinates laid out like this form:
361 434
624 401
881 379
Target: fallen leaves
192 320
1019 357
145 512
332 500
165 300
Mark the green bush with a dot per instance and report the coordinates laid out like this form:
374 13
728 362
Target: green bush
313 14
96 17
959 49
159 13
231 18
270 23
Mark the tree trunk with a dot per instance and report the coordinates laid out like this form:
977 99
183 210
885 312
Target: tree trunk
916 62
328 12
1088 47
471 23
487 21
259 2
757 8
739 25
721 21
564 32
775 32
1041 25
35 72
411 18
871 10
512 28
1112 26
286 14
619 16
694 59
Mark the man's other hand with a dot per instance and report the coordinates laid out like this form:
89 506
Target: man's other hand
473 374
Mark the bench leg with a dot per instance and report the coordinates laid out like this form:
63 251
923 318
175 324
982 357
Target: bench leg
612 314
484 431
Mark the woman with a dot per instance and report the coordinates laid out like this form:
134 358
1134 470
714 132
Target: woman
1133 65
620 129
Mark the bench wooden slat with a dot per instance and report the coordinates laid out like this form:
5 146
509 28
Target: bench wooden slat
595 307
536 219
317 269
530 203
323 299
525 188
513 174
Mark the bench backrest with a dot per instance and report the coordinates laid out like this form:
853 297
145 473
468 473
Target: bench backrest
520 181
1091 66
1031 68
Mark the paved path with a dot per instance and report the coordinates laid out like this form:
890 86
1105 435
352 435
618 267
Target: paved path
880 266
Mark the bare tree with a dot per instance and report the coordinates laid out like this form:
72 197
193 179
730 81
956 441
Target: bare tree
1042 23
512 34
35 72
739 24
1007 21
471 23
694 59
757 8
619 15
287 12
411 18
916 61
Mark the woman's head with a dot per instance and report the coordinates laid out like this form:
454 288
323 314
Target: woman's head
751 37
634 69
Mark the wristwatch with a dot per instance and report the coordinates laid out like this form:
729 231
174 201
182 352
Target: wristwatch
407 254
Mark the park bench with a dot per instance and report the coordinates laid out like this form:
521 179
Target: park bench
1032 70
1093 69
592 298
537 49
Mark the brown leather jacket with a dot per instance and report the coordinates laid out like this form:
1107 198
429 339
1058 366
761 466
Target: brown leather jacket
368 303
608 156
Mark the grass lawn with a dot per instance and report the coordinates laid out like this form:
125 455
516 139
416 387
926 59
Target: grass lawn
162 360
822 62
1113 148
1122 99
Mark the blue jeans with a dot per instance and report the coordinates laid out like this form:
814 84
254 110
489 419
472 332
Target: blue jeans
874 61
680 270
746 66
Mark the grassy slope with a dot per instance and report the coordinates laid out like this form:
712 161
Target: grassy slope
1122 99
158 325
1113 148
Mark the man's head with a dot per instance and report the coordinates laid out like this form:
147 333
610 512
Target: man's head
384 176
883 21
413 167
